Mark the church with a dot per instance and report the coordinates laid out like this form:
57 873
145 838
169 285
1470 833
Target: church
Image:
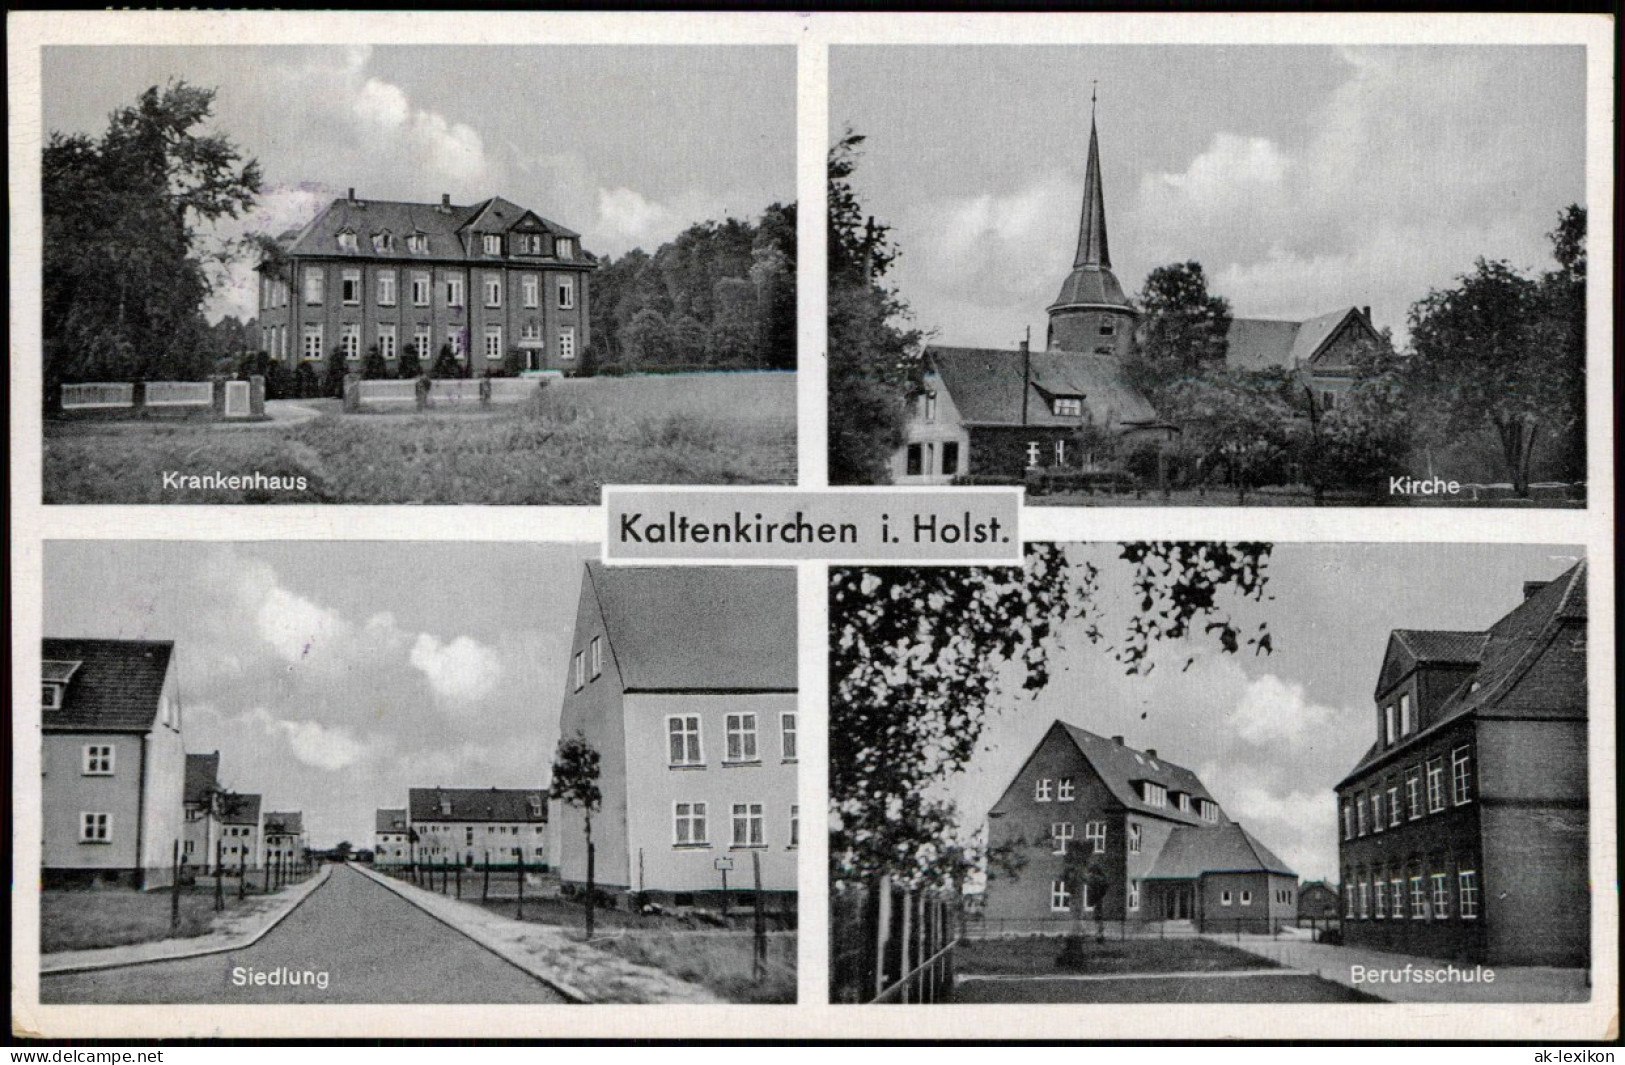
994 412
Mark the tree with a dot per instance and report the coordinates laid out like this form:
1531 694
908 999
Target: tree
575 783
337 369
1238 421
446 364
689 341
874 359
342 849
1506 352
1183 331
410 365
644 340
1366 437
374 367
915 655
123 273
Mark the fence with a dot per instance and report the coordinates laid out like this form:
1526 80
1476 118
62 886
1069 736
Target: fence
890 944
222 879
178 393
97 396
450 392
216 399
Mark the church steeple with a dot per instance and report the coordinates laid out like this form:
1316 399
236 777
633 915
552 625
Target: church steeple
1091 314
1092 248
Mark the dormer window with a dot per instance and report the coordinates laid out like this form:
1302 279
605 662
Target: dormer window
928 406
535 806
445 806
1184 803
51 696
1067 407
383 242
347 240
530 244
1208 809
491 244
1407 715
418 242
1153 794
564 247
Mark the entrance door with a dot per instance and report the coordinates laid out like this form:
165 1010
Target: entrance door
1178 903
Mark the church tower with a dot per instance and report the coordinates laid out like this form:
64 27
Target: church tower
1091 314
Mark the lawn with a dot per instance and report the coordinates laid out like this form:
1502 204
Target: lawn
1035 955
1284 988
556 448
82 920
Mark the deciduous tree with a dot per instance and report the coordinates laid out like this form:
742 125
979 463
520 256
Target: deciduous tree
1183 330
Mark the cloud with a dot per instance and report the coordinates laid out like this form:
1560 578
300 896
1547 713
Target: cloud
462 671
297 628
629 216
314 744
1274 711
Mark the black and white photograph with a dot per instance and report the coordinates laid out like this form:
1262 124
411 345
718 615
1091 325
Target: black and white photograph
416 274
276 773
1213 773
1205 275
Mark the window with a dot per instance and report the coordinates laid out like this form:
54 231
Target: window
950 456
529 244
386 341
564 247
1407 718
98 760
1376 811
1467 887
795 826
350 288
1380 889
95 828
1413 791
787 736
1348 819
530 290
1134 839
1395 813
747 824
418 242
1153 794
688 829
1060 452
423 339
1184 803
493 342
350 340
386 288
1246 898
567 294
578 671
493 290
384 242
1365 898
1209 809
1390 724
346 240
916 460
1060 897
1095 833
1461 776
1060 834
1033 451
420 291
1107 327
741 732
491 244
1328 401
1068 407
1065 790
454 290
1226 899
1133 894
1441 897
51 696
1043 790
1435 785
455 338
1348 893
1419 902
684 735
595 651
567 343
1361 818
530 331
313 284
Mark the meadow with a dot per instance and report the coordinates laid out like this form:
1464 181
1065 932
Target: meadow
558 447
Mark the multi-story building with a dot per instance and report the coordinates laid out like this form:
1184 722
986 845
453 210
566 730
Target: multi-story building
1464 827
242 832
202 801
683 679
481 280
1163 847
112 797
470 826
391 838
284 837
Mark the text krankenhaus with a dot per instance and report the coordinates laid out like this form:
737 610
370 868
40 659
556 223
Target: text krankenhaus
675 528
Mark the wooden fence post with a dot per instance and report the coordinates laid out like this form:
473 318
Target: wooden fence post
219 877
459 879
519 853
591 858
882 933
175 864
759 967
242 874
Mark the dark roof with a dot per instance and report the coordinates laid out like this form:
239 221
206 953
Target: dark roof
244 811
1264 343
1121 767
699 628
202 776
452 231
391 821
986 385
116 687
1441 645
477 804
1091 285
285 824
1193 850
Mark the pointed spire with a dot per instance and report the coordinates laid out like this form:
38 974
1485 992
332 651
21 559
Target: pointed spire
1092 249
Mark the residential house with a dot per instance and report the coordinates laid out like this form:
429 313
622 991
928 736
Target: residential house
1162 846
391 838
1465 826
1322 353
112 793
470 826
683 679
481 279
202 801
1319 901
242 833
284 837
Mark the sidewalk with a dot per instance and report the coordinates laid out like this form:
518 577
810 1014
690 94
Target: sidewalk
233 931
1338 964
551 954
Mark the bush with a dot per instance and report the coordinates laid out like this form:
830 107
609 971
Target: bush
976 479
1330 936
446 365
305 383
337 368
374 367
410 365
1052 479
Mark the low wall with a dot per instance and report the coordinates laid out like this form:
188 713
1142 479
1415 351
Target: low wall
222 399
449 392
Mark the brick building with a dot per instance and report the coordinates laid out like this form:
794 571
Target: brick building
1464 827
483 279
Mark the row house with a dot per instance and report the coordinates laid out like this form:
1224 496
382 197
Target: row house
1162 846
683 678
481 279
284 837
242 832
472 826
1464 827
391 838
203 799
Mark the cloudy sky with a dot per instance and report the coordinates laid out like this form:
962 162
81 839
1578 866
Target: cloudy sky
1303 179
628 145
1270 736
334 676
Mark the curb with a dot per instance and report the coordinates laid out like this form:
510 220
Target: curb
575 996
239 944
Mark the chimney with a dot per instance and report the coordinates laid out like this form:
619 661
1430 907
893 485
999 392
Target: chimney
445 203
1366 310
351 197
1150 752
1531 587
1118 740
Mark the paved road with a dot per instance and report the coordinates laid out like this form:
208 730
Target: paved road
373 945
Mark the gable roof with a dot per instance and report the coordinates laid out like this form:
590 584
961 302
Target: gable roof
1265 343
116 686
245 811
451 230
477 804
699 628
1120 767
987 386
1409 648
285 824
391 821
202 776
1192 851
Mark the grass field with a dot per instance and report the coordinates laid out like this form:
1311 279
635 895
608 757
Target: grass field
1033 955
721 961
558 448
81 920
